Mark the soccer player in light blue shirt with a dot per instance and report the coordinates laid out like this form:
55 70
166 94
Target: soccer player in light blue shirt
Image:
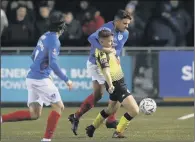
119 29
41 89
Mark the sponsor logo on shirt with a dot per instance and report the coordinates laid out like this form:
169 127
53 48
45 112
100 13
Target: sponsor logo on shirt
120 37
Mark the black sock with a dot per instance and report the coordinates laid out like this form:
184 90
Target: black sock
127 116
104 114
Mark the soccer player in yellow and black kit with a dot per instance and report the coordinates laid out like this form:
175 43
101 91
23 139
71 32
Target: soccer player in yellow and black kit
116 87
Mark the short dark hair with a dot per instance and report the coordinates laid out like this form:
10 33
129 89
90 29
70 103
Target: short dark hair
56 22
105 34
122 14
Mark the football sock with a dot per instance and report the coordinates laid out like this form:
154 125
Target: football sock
111 118
100 119
123 123
21 115
51 124
85 106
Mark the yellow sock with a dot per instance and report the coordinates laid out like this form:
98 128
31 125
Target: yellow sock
123 123
98 121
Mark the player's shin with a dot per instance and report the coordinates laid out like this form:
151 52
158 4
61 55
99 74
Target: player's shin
51 124
131 106
124 122
21 115
100 119
85 106
112 117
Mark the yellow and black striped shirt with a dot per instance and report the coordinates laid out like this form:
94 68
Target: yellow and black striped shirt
104 60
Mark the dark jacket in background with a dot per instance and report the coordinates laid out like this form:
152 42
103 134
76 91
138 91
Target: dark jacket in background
41 26
158 32
19 32
73 32
184 25
136 31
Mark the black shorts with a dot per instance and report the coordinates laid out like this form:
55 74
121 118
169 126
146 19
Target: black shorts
120 92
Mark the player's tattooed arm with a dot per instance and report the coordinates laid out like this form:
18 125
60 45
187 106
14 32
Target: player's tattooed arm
106 70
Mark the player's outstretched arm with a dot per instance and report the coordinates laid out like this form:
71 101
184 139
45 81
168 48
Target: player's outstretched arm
93 40
55 67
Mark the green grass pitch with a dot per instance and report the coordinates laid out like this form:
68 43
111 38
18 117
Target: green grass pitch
163 125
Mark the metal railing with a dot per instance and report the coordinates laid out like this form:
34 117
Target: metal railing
18 50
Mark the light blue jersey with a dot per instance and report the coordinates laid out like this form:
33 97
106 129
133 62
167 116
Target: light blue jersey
45 56
119 40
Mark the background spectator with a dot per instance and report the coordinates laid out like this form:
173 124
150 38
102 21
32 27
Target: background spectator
30 9
92 22
99 20
51 4
4 4
89 26
137 25
42 22
21 30
74 31
183 19
4 21
159 30
173 16
85 12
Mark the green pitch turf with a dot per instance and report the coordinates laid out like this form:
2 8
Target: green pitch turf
161 126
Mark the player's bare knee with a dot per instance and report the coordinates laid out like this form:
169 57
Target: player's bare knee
35 110
58 107
98 95
134 111
35 115
98 92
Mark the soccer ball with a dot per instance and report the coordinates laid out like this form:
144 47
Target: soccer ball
147 106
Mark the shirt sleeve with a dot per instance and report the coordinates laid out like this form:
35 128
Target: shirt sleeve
53 56
93 38
103 59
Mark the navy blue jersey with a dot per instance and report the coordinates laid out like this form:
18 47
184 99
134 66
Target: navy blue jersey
119 40
45 57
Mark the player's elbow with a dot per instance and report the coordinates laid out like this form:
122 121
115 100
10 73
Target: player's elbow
52 65
89 39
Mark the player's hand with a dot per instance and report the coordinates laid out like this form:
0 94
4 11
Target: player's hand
69 84
111 89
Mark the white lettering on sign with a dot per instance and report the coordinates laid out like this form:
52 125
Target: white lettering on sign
188 72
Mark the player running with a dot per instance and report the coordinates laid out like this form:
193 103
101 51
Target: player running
118 28
40 87
111 69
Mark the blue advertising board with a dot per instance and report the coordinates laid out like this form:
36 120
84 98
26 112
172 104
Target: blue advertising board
15 68
176 74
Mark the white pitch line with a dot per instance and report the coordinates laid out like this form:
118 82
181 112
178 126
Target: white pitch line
186 116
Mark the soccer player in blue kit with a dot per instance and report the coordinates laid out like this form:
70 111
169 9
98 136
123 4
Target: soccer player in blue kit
119 29
41 89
